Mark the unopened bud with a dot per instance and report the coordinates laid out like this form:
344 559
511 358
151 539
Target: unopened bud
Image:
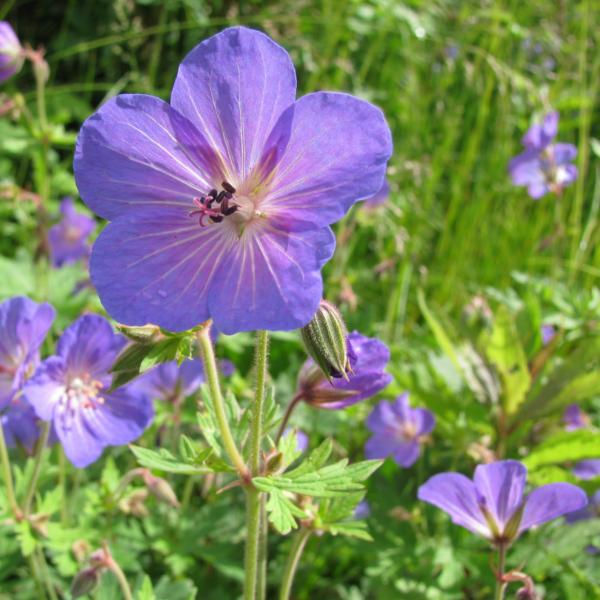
325 341
85 582
161 490
273 462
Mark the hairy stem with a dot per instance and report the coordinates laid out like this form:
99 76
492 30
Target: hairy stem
37 467
123 583
212 376
255 557
291 566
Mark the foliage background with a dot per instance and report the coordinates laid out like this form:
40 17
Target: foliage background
459 82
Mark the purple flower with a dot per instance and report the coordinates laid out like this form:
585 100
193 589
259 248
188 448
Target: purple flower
548 332
11 53
398 431
381 197
23 327
69 390
67 239
362 510
493 505
301 438
544 167
170 380
20 424
587 469
220 202
368 358
574 418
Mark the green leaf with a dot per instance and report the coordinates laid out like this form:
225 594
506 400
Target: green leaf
563 447
26 538
334 480
160 352
505 352
281 511
163 460
146 591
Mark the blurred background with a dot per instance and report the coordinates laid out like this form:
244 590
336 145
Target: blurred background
460 83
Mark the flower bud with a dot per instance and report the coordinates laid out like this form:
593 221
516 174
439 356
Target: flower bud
161 490
85 582
325 341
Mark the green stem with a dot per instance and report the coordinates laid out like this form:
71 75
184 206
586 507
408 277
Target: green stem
212 375
261 584
62 482
123 583
41 593
286 417
7 475
37 467
292 563
255 557
40 90
262 351
46 575
500 584
252 543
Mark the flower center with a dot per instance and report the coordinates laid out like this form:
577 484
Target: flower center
215 206
82 392
407 431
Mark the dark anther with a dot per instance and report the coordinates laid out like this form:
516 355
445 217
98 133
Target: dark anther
204 205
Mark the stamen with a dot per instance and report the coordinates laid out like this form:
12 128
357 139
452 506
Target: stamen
205 208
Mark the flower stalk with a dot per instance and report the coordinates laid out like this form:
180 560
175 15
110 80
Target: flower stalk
212 375
500 583
255 556
37 467
291 566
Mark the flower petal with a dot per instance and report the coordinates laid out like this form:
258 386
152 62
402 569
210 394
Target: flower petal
380 445
407 453
326 152
551 501
122 418
500 487
271 280
456 495
540 135
45 388
382 418
164 261
89 346
424 420
564 153
130 156
233 87
81 446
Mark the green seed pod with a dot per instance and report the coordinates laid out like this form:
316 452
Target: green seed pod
325 341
